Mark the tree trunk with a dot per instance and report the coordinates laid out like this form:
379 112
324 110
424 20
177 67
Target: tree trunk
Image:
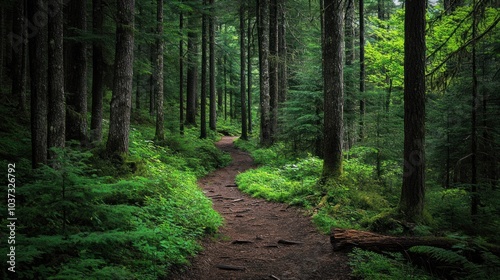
350 87
413 190
38 77
75 63
192 71
2 43
97 72
249 71
56 104
19 57
213 98
474 190
244 132
362 73
152 103
273 68
204 39
265 118
282 54
119 122
333 77
158 73
181 75
225 86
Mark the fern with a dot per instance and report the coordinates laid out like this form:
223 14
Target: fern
459 266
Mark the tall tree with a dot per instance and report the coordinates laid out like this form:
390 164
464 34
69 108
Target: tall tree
121 101
249 70
273 67
282 53
204 39
350 84
38 61
263 35
19 56
244 131
413 190
56 104
213 98
192 70
181 74
362 72
97 72
333 87
474 107
75 63
158 73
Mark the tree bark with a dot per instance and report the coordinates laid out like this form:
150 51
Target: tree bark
121 101
350 85
38 76
346 239
213 98
413 190
362 72
19 54
244 132
152 103
265 117
2 43
56 104
249 71
204 39
181 74
282 54
75 63
273 68
333 77
192 71
97 72
474 190
158 73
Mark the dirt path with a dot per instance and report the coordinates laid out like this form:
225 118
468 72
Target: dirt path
250 239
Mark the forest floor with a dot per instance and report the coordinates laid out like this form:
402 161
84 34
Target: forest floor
260 239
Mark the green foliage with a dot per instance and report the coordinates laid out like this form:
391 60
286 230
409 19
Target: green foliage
351 202
373 266
458 265
79 225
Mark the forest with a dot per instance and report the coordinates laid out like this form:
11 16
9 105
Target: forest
377 120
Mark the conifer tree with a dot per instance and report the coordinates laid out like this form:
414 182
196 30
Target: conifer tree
413 190
121 102
333 87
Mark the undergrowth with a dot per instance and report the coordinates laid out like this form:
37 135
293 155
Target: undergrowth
366 198
95 218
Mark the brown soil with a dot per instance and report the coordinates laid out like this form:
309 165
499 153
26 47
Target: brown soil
251 244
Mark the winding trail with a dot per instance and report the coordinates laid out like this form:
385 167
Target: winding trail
252 242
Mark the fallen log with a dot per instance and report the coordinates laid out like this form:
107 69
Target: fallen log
345 239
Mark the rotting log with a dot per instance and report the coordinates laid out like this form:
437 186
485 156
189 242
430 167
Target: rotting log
345 239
